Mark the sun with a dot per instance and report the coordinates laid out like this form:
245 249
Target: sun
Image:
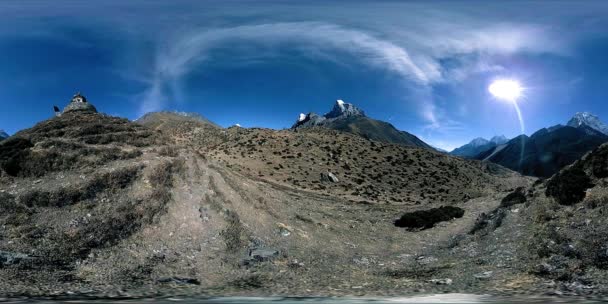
506 89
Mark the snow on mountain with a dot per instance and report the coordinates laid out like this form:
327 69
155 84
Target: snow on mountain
479 145
585 118
343 110
478 142
499 140
346 117
3 135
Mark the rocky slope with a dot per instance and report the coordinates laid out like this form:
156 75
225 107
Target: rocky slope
348 118
96 202
93 204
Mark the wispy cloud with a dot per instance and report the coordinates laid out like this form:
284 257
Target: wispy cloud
187 52
415 56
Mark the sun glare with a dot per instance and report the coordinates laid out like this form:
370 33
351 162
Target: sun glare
506 89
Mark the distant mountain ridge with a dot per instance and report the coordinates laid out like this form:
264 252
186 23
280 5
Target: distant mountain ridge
3 135
479 145
347 117
549 149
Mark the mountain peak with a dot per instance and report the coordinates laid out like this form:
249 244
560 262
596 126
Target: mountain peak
479 141
499 139
344 109
3 135
587 119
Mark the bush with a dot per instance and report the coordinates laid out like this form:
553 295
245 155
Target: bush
425 219
514 198
12 154
568 187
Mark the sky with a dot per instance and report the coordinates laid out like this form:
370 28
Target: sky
423 66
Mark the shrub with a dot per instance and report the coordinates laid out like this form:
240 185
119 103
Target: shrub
568 187
514 198
425 219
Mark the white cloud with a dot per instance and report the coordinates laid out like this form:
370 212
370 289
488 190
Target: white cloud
415 55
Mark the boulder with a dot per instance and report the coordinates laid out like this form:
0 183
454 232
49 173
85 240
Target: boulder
329 177
263 254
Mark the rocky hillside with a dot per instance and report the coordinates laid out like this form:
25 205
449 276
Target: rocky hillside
348 118
93 204
185 129
551 232
363 170
97 203
71 186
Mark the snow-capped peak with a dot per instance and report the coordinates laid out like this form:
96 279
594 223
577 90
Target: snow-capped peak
3 135
302 117
499 139
340 104
585 118
479 141
344 109
237 125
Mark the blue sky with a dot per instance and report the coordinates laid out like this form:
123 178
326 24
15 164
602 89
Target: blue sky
422 65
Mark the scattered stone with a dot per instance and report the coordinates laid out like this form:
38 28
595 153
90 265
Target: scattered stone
362 261
484 275
425 260
295 264
262 255
441 281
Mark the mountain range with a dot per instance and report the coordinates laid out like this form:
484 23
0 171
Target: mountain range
346 117
547 150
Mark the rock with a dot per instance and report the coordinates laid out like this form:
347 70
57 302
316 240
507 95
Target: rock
425 260
484 275
10 258
362 261
441 281
284 230
295 264
262 254
329 177
179 280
